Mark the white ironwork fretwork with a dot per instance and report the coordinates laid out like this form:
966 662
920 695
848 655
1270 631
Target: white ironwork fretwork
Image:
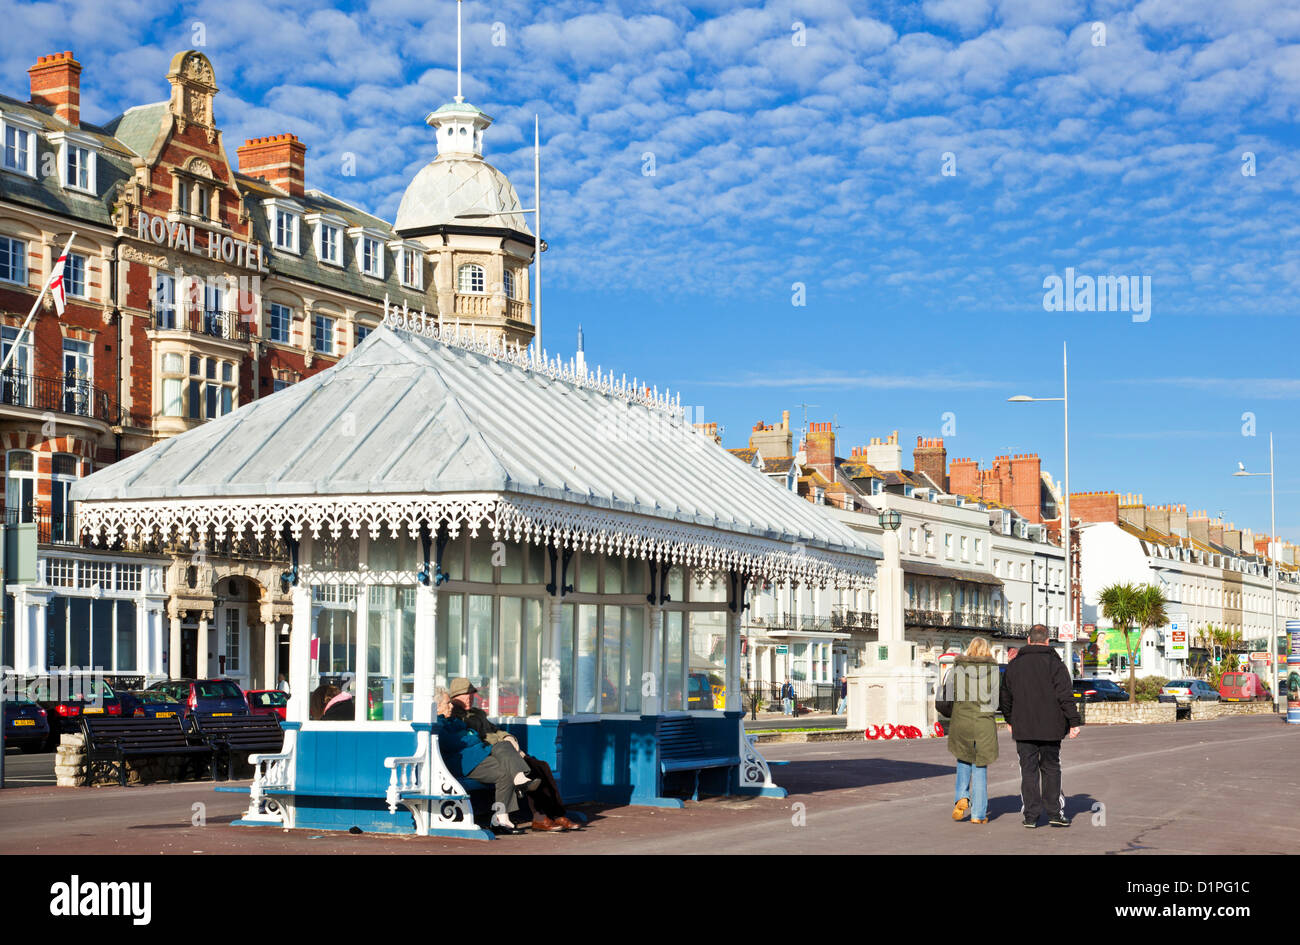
521 518
272 771
445 804
754 772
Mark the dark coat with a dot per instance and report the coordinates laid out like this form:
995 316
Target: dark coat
1037 699
479 722
972 687
461 748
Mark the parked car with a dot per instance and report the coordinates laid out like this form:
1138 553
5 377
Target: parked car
1187 691
1243 687
267 702
66 697
27 725
1099 690
204 696
150 704
699 692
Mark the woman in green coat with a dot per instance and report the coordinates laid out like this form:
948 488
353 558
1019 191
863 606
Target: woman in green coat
972 689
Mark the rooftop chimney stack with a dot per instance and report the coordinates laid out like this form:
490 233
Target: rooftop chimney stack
56 84
280 160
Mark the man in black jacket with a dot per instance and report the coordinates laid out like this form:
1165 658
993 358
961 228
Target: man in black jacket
1037 701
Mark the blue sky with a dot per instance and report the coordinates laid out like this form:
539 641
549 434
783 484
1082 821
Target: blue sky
822 164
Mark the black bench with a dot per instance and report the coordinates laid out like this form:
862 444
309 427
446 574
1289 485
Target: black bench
111 740
680 749
225 735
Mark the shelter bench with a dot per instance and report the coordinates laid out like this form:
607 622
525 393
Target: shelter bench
111 741
226 735
680 749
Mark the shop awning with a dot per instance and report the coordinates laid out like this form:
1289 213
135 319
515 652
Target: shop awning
956 574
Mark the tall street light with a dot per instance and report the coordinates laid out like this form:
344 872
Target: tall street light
537 231
1272 562
1064 399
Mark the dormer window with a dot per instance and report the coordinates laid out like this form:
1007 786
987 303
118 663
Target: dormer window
284 218
410 261
329 237
79 168
19 144
286 230
369 246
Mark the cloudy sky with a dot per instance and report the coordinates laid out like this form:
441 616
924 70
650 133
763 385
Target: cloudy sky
849 205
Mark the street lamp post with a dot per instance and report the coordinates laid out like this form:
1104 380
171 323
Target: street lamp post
1272 563
1065 516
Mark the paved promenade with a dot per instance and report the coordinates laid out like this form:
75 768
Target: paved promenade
1194 787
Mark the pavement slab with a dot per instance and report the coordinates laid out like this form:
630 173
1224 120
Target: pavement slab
1188 788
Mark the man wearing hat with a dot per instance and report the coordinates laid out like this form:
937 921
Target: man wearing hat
549 808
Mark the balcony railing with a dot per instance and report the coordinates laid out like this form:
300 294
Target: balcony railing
50 529
854 619
68 395
471 305
214 323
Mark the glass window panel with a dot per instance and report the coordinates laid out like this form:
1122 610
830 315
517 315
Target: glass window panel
676 583
613 575
124 659
478 664
708 658
336 628
672 677
633 650
480 558
708 588
451 640
173 399
533 656
510 659
588 564
453 558
79 631
391 649
611 649
585 700
636 577
536 565
512 569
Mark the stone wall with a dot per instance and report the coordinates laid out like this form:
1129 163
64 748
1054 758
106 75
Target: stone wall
1110 713
1218 710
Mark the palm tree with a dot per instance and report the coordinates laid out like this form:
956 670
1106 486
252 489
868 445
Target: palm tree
1150 614
1120 604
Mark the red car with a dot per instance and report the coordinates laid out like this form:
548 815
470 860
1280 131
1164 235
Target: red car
1243 687
267 702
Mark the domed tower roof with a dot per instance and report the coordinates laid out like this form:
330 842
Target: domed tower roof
458 182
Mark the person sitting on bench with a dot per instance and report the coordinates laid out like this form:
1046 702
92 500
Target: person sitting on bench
548 807
468 756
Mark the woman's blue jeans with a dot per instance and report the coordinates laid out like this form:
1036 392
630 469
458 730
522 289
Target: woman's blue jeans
973 784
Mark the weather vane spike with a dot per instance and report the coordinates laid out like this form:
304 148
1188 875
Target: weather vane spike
459 97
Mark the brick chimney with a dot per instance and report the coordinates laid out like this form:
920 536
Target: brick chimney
1158 518
56 83
820 447
1216 531
280 160
710 430
931 458
1027 486
1178 520
1198 524
1133 510
1095 507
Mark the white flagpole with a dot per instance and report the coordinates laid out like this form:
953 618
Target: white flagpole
4 366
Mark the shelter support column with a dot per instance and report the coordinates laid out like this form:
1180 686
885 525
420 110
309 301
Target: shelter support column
426 623
733 703
207 651
652 702
552 627
300 656
174 645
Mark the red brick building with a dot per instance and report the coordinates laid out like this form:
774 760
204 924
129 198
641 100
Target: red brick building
195 286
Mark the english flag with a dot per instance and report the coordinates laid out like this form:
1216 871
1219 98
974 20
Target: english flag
56 282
